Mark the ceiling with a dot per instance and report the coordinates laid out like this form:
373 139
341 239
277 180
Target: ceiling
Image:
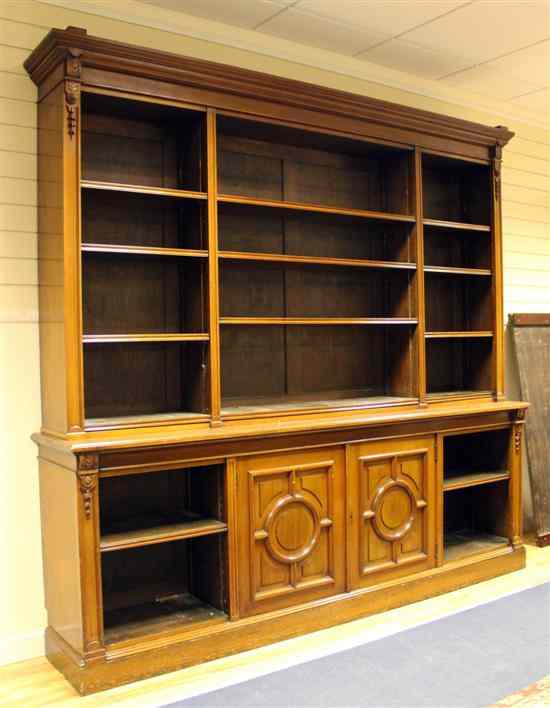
499 49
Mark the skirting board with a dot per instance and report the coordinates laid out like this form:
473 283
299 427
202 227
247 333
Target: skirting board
128 663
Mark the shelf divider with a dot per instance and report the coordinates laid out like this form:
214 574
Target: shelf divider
139 189
318 208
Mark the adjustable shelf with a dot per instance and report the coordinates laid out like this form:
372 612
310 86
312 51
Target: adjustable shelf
355 321
164 533
311 260
315 208
461 480
139 189
462 226
143 250
459 335
449 270
127 338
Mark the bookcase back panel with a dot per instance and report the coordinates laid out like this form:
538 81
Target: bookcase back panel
459 365
279 163
123 219
458 303
456 249
286 364
146 144
456 191
144 378
264 230
133 294
275 290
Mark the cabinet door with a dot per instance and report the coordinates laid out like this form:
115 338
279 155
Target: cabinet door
391 509
291 528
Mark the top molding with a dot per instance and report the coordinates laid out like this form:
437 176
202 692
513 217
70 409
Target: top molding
94 52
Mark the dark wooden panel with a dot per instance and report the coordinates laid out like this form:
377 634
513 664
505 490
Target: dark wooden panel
455 248
275 162
458 303
143 378
267 289
296 364
140 143
264 230
455 190
139 294
124 219
531 334
458 365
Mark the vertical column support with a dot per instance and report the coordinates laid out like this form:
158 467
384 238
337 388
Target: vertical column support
440 500
90 566
515 485
213 275
420 288
71 242
232 544
496 265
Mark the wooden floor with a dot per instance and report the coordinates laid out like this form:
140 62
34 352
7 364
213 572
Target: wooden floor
35 683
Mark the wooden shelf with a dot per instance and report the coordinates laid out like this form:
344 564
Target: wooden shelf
138 189
127 338
143 250
448 270
161 534
473 479
455 225
449 395
318 321
312 260
474 334
318 208
461 544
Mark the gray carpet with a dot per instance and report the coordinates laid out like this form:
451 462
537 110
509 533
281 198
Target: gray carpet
473 658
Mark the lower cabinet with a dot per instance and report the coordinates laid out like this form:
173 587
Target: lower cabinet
391 499
290 528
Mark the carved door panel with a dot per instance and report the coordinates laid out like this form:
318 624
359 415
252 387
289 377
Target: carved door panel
291 528
391 509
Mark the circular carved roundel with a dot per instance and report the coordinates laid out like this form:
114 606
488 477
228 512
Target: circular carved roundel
394 508
293 527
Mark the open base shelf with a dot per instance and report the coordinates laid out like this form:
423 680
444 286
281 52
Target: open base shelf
178 612
460 544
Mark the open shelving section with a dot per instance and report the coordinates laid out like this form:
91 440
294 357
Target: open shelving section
295 251
163 550
476 476
458 268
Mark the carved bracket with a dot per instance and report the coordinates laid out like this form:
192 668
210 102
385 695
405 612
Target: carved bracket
87 477
73 70
497 171
87 486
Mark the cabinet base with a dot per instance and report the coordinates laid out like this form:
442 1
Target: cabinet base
134 660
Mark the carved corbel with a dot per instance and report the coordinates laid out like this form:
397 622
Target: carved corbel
73 71
87 477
